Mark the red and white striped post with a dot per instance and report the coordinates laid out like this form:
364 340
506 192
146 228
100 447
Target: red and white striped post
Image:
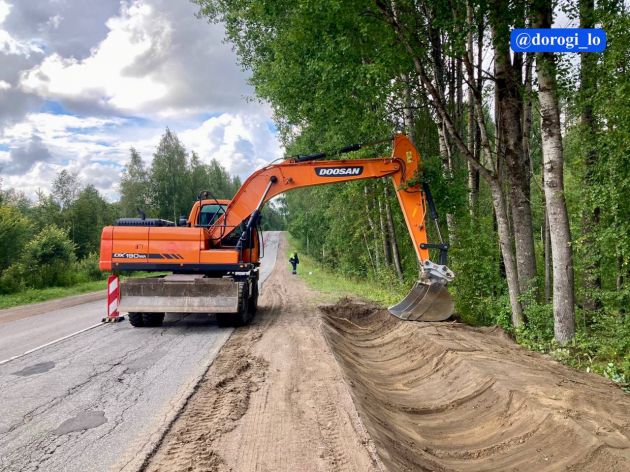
113 299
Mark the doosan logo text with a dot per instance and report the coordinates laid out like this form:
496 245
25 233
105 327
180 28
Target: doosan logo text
338 171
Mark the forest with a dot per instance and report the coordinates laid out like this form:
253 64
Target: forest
527 154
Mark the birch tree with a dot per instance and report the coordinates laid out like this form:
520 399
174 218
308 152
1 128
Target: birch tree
553 171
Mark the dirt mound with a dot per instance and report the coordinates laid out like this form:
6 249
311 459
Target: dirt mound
445 396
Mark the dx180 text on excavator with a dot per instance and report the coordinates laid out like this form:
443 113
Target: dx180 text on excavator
213 256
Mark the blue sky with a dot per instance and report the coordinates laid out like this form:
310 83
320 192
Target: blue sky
82 81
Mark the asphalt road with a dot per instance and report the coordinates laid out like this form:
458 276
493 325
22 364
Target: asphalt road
24 334
101 399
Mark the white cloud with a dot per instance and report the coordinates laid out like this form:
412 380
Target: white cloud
134 68
54 21
11 45
44 144
5 9
136 36
97 148
157 59
54 127
30 182
241 143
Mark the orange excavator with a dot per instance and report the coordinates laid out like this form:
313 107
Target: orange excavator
213 256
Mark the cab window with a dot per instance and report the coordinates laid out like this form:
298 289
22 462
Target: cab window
210 213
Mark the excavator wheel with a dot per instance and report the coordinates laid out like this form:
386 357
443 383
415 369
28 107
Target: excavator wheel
253 301
153 319
136 320
244 314
146 320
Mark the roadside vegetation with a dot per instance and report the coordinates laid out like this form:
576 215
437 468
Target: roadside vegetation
527 154
599 347
333 285
35 295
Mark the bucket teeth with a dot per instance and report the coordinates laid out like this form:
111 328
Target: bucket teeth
427 301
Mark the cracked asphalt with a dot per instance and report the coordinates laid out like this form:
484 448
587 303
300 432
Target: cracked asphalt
101 400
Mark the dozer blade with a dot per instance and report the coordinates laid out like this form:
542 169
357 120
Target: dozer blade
427 301
179 294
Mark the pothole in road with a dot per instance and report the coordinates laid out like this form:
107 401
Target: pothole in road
35 369
81 422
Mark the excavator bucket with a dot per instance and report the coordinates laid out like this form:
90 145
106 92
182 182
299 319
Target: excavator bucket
427 301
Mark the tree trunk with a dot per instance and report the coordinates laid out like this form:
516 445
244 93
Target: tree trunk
473 174
590 213
553 160
369 252
372 225
387 254
527 111
410 127
447 170
547 249
510 114
392 235
505 243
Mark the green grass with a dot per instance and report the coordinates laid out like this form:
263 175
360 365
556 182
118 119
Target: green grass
334 286
33 295
43 294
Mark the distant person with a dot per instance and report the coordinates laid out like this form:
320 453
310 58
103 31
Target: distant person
294 262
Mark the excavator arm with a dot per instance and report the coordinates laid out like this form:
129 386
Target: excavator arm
428 300
402 166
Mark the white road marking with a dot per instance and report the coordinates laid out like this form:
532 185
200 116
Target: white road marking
50 343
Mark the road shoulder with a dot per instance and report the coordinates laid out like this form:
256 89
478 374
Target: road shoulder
34 309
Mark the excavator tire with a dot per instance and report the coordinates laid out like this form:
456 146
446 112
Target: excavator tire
136 320
153 320
253 301
244 315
